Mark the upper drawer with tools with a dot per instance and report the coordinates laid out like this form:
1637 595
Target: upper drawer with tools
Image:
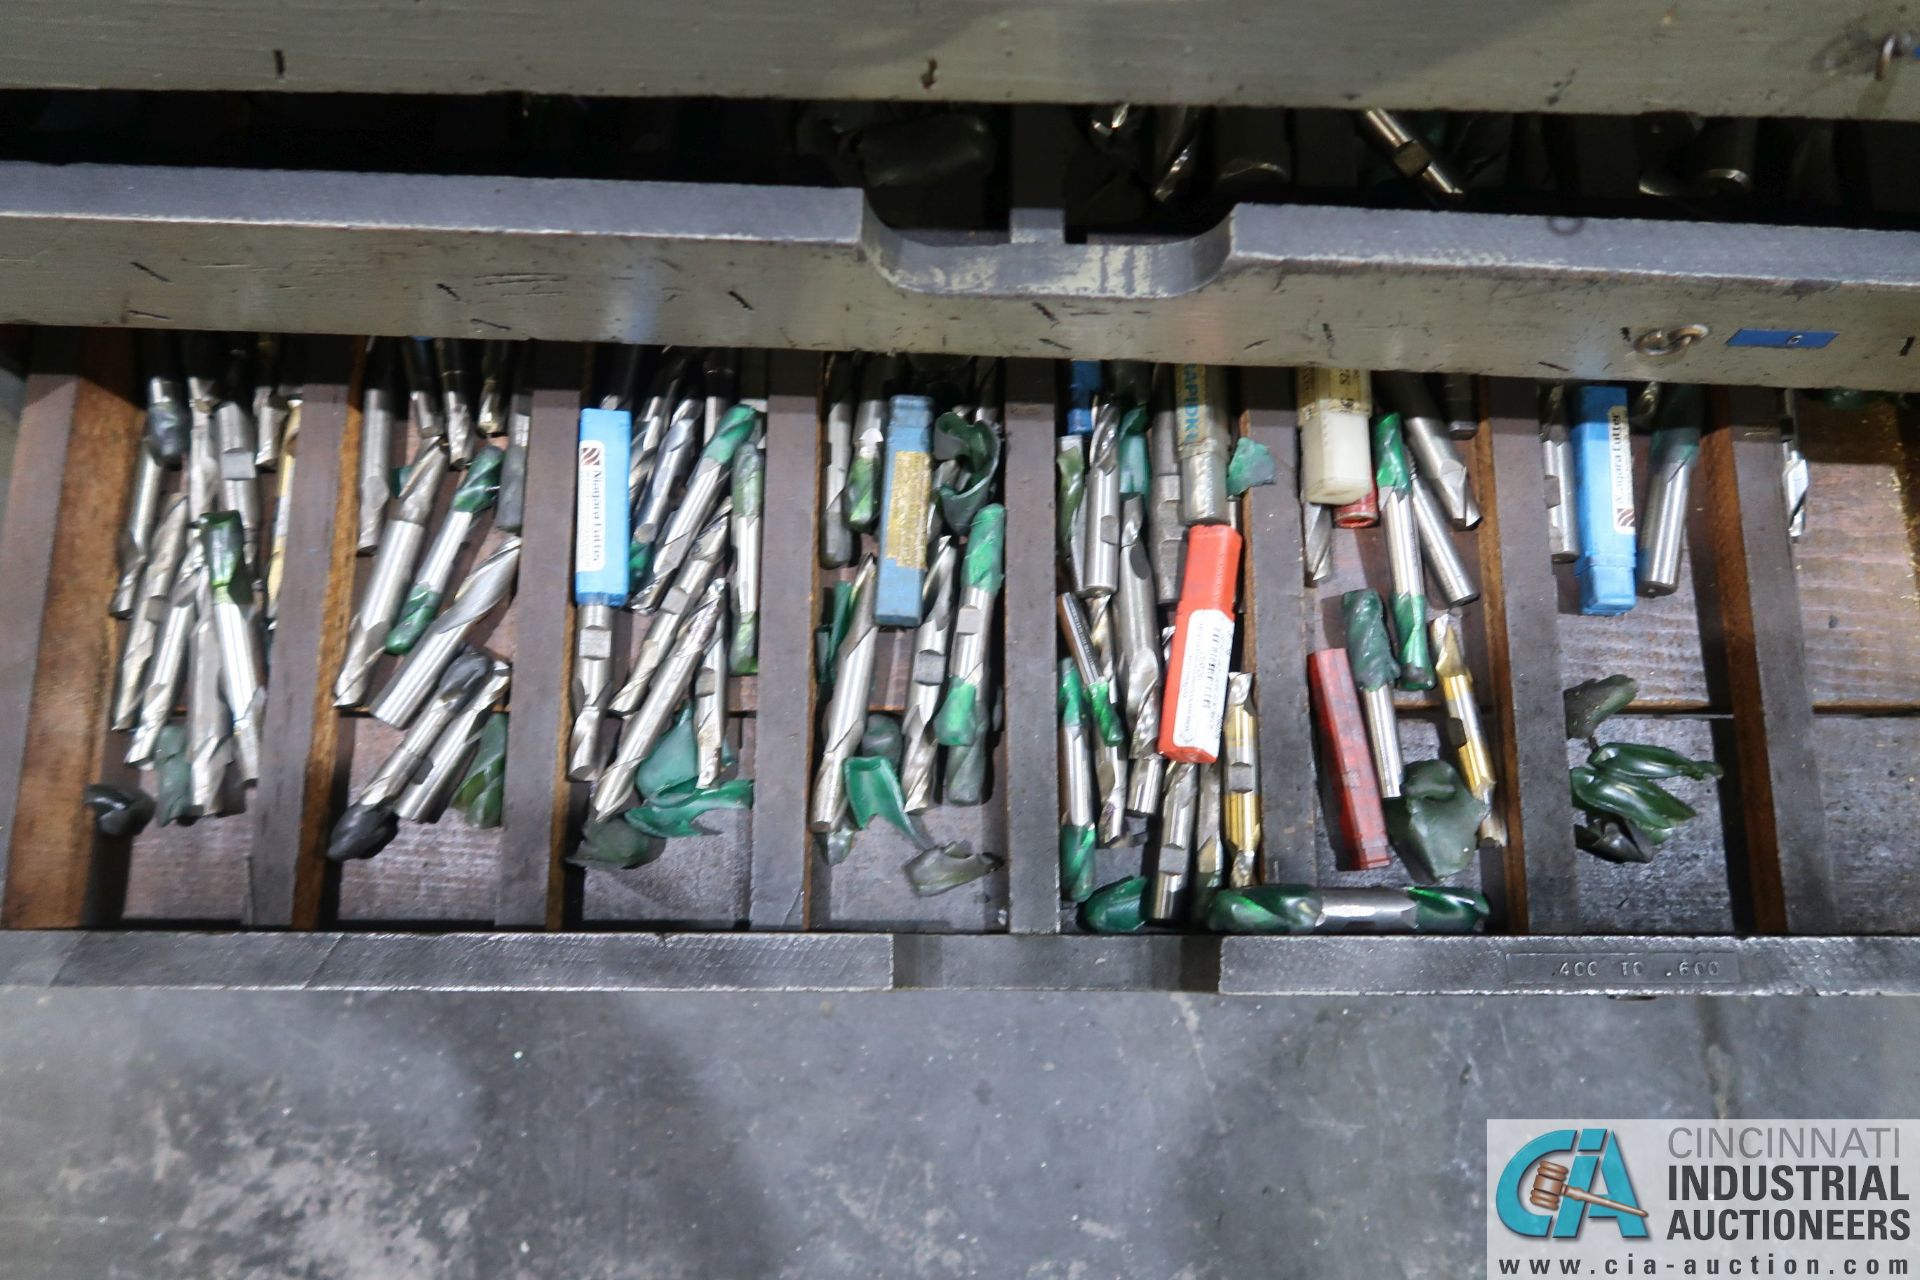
1770 57
1732 249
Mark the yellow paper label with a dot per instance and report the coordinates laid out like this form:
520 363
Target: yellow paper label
907 510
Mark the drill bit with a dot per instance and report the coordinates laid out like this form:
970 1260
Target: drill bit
1556 460
491 415
450 360
434 779
237 632
928 677
467 672
966 709
149 611
1166 532
203 452
722 380
1139 635
1209 854
836 538
1428 439
1077 833
1794 476
400 543
1409 153
613 788
592 673
1173 858
749 491
1370 658
136 535
846 712
1460 400
710 709
209 724
166 429
878 374
650 423
700 566
239 478
478 487
1455 587
1096 669
710 476
490 582
1101 509
1403 554
1201 442
1112 772
161 688
1680 412
1145 779
376 445
283 504
1240 781
270 402
510 508
1316 520
1463 731
423 395
1070 464
1299 908
676 454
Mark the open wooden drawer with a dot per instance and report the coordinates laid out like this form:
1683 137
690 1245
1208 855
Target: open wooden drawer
1787 662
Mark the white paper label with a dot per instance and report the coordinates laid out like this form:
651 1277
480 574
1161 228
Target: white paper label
590 538
1202 704
1620 468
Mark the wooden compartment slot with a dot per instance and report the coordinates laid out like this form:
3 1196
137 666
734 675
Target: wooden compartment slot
1032 753
1787 877
75 459
530 887
700 881
1274 613
299 788
870 889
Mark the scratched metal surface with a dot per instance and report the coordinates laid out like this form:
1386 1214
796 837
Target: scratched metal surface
1719 57
809 268
669 962
481 1137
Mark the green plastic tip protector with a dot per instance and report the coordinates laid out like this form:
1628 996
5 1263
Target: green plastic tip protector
1119 907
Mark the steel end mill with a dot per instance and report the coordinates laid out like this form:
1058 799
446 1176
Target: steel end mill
237 631
1678 417
1240 782
927 679
1395 482
613 787
1464 732
1428 437
709 549
846 712
490 583
400 543
149 611
1370 656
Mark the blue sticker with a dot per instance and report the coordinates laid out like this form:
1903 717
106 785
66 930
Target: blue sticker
1799 339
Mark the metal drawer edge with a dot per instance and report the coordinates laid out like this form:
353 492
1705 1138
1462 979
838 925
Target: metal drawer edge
812 269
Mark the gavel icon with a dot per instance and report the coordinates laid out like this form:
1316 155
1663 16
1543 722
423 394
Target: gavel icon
1550 1184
